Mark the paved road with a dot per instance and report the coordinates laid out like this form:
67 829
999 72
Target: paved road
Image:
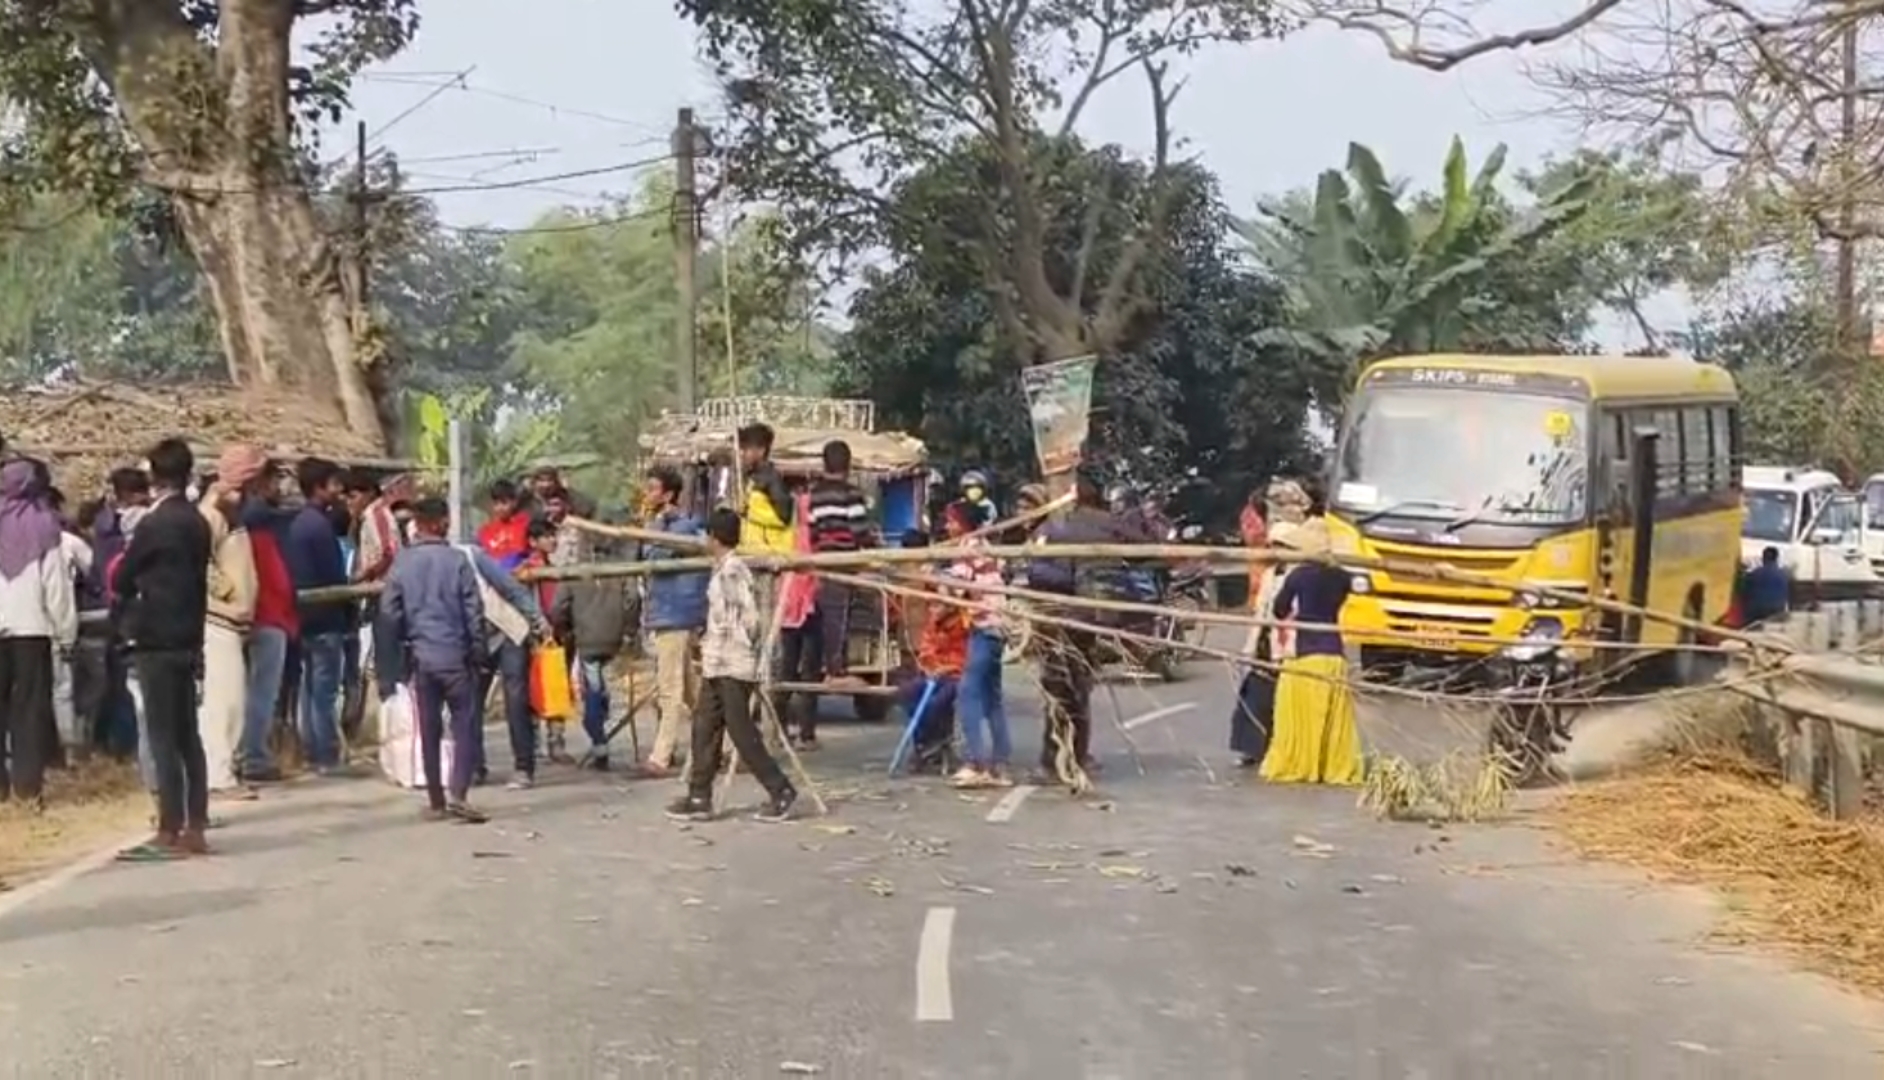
1194 924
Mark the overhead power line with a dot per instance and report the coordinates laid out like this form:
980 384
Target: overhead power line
570 227
468 87
538 181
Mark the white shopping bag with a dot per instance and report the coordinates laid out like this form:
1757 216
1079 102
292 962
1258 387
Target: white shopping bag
401 751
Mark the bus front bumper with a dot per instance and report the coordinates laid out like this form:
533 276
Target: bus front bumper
1442 630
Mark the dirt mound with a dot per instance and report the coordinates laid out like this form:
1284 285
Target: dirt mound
1794 878
84 430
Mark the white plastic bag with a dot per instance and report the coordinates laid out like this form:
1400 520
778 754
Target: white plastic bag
401 751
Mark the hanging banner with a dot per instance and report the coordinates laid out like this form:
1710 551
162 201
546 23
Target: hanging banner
1059 399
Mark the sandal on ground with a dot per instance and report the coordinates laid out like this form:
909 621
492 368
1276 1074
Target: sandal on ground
969 777
462 814
150 851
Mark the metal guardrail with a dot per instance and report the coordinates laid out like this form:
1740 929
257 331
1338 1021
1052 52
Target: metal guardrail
1828 704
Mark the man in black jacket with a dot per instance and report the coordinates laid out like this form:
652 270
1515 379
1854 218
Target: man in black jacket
163 583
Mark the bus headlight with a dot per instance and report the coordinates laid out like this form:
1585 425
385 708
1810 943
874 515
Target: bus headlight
1527 600
1363 584
1540 638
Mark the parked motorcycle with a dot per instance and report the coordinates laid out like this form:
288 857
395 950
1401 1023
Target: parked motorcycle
1529 726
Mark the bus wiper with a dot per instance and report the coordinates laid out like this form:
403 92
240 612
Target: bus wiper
1478 515
1401 507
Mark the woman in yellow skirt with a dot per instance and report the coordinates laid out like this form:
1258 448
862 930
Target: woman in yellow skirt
1315 740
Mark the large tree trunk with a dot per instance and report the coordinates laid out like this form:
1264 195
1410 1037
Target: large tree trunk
284 319
227 158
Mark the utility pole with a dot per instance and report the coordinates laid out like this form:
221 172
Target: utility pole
1847 258
686 213
359 233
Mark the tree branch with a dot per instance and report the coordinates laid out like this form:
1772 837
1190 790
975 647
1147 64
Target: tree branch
1119 303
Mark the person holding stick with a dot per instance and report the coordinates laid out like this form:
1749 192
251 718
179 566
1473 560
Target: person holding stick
729 669
1066 666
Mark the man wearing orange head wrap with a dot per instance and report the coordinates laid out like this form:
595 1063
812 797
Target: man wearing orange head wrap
232 589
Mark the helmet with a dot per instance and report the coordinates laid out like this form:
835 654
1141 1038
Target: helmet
975 478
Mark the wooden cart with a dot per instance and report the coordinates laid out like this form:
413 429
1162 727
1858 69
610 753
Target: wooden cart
891 467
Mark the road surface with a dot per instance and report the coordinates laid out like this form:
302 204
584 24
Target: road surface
1191 924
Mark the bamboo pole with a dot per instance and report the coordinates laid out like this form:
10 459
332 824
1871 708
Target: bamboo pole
884 558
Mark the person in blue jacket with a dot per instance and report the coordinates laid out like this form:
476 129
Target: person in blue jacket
315 561
1767 592
673 616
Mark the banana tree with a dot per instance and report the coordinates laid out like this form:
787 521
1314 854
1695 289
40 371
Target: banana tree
497 445
1370 272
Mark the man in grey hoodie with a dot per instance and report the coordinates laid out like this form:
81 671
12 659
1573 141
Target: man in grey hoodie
432 606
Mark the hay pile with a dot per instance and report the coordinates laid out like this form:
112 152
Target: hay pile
1813 885
85 429
94 804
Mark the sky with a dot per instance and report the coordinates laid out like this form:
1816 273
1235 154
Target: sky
593 84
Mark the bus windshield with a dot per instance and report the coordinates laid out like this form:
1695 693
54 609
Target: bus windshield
1772 516
1464 455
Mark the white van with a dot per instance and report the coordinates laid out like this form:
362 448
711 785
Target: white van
1874 522
1816 524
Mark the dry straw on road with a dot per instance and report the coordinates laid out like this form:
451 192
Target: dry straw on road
85 807
1708 814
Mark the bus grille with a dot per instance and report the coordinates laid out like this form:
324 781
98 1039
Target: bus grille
1467 562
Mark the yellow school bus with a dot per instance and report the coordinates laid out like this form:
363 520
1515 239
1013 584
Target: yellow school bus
1531 469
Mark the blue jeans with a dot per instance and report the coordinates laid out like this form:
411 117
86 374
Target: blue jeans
982 706
322 657
511 664
268 658
595 705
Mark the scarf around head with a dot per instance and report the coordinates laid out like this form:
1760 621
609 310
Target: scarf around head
28 528
239 464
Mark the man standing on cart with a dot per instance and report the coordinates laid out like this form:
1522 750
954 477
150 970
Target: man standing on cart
840 522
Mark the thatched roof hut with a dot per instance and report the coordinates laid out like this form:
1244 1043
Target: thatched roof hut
800 428
85 429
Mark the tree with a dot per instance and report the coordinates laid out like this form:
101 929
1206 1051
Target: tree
1370 273
1751 91
101 295
599 292
1800 401
205 103
832 104
1188 386
1643 230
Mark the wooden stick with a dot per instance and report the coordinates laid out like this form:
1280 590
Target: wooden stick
766 683
881 558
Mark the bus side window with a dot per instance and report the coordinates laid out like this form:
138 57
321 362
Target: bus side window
1697 457
1615 495
1667 453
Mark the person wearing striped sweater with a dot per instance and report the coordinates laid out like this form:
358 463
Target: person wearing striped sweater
840 522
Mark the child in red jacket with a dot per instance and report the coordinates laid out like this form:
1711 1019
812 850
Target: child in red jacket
541 536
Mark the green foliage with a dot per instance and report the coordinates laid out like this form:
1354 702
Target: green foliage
1371 273
98 295
496 445
1190 387
1802 401
1644 230
102 95
598 343
832 105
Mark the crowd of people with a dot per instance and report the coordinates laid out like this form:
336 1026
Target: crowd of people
167 620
